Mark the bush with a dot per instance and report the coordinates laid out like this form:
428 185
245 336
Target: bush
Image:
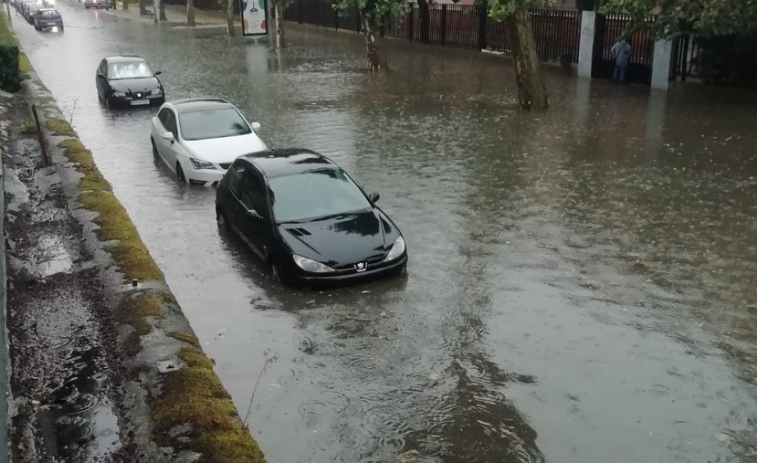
9 67
8 56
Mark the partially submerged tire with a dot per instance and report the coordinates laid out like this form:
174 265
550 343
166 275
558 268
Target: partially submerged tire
180 174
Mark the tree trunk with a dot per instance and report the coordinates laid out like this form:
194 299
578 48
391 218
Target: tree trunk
191 13
425 18
155 7
279 22
374 60
142 7
532 92
125 5
230 17
162 11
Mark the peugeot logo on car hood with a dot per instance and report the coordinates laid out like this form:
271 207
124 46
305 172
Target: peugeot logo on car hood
361 266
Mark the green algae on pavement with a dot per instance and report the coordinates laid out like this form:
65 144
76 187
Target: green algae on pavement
129 253
134 310
194 395
76 152
182 336
60 127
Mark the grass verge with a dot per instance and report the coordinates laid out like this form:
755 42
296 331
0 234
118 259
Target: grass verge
194 395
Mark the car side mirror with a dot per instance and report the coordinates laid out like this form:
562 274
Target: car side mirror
256 126
374 196
254 214
158 73
167 136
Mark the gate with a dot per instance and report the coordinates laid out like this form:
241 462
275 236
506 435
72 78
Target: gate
607 31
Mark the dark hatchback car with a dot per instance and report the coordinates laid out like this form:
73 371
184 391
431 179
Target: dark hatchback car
307 219
124 81
48 18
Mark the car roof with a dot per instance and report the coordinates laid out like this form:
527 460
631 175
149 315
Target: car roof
278 162
123 58
194 104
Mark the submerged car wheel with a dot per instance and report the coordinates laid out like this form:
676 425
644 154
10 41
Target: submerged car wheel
155 153
180 174
278 277
221 219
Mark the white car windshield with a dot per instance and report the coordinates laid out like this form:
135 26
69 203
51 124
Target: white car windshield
315 194
128 70
212 123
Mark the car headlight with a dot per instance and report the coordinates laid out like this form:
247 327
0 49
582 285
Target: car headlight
309 265
119 94
157 91
397 249
197 164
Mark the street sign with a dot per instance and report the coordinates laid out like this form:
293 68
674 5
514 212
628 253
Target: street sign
254 17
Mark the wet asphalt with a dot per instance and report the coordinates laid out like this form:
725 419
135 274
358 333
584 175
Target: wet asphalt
581 285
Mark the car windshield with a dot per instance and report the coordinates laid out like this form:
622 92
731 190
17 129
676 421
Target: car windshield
212 123
315 194
128 70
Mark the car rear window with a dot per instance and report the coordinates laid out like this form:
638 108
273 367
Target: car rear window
203 124
128 70
49 13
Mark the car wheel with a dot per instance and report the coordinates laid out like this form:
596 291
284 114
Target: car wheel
180 174
276 274
155 153
61 28
221 219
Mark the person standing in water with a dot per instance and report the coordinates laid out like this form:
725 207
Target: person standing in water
621 53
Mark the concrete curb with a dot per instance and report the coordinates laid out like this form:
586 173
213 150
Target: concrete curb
175 406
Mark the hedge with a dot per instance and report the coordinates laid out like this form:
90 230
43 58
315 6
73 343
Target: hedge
9 78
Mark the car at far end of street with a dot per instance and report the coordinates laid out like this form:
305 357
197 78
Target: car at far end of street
127 81
47 19
199 138
97 4
308 220
30 10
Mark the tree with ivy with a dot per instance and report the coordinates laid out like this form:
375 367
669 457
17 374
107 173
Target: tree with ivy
532 91
280 7
372 14
191 13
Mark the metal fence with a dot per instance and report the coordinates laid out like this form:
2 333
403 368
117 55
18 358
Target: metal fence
557 33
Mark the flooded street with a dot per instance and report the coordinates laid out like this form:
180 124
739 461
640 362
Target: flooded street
582 283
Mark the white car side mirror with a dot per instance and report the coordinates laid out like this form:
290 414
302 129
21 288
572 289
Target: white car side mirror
167 136
255 126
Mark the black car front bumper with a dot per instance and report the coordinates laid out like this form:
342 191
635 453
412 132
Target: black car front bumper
317 279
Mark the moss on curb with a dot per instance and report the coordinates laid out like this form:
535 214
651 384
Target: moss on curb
129 253
135 310
60 127
24 65
189 338
76 152
194 395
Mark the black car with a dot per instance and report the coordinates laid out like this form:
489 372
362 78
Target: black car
307 219
128 81
47 18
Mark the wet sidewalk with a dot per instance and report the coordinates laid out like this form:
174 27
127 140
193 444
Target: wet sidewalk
176 16
63 378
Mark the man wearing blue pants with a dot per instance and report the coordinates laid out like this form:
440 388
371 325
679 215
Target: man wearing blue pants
621 52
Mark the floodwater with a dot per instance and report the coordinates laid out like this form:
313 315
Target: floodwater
581 285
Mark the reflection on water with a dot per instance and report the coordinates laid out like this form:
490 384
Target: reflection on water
578 283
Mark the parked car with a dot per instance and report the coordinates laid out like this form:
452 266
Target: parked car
97 4
28 8
48 18
127 80
199 138
307 219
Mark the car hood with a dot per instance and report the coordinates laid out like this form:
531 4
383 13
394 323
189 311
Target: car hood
341 241
142 85
224 150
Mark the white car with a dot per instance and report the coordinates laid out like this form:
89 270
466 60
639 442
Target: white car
199 138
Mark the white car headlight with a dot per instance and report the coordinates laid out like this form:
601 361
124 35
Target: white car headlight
309 265
197 164
397 249
119 94
157 91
